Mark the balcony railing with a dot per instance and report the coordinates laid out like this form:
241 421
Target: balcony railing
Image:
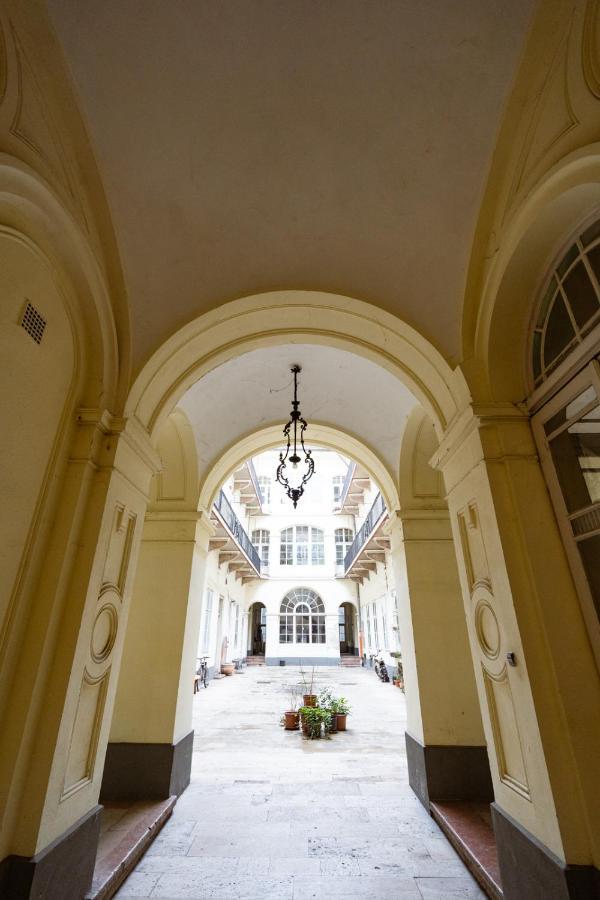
365 531
236 530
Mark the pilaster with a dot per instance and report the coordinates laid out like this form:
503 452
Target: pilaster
527 635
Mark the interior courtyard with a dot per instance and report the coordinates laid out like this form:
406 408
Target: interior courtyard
393 210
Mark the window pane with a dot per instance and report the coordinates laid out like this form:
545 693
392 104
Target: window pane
590 557
318 554
302 533
581 294
559 332
576 456
302 554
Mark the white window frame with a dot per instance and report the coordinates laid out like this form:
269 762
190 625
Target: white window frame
206 624
343 542
303 543
588 377
261 540
302 614
264 483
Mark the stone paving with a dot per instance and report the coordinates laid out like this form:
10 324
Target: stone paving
270 815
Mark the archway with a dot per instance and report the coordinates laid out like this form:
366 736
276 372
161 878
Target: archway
347 630
257 632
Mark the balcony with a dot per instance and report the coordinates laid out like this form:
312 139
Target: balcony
232 541
369 546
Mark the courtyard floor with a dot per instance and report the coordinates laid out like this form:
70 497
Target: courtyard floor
271 816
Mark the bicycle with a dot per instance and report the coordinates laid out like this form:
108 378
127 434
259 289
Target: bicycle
201 676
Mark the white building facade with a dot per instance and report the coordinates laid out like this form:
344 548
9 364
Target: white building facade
293 598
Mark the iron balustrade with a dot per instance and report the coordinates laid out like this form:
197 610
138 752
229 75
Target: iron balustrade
237 531
365 531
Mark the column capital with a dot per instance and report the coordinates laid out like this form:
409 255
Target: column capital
483 432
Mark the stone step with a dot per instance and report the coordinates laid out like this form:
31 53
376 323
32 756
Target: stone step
468 827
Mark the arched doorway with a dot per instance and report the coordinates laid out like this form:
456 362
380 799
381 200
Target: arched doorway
257 630
347 630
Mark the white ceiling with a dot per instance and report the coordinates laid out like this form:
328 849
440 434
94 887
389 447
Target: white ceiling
253 145
335 388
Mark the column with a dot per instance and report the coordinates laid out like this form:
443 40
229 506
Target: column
55 732
151 738
445 743
536 677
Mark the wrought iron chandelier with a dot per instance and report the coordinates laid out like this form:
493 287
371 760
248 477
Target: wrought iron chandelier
299 426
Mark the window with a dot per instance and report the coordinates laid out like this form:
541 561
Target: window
208 605
302 546
302 618
386 637
375 626
264 483
261 539
570 305
343 540
342 624
237 625
338 484
369 639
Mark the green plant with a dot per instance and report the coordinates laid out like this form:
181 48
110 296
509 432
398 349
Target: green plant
314 717
340 706
326 698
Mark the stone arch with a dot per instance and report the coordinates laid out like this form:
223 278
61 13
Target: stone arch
291 317
496 369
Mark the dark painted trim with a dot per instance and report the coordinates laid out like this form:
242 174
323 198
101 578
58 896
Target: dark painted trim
304 661
61 870
530 871
448 773
147 771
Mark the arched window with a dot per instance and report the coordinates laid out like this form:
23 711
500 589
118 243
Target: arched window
566 423
261 540
570 305
302 545
302 618
343 540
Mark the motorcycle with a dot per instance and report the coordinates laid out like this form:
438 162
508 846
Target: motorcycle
381 669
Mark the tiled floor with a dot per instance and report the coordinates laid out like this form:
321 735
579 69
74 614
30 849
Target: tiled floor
272 816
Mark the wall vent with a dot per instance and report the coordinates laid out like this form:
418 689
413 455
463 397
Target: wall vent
33 323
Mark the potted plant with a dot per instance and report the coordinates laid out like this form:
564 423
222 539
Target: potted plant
341 708
327 701
227 668
313 719
292 715
309 698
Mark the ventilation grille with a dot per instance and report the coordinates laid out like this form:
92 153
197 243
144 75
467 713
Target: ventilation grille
33 323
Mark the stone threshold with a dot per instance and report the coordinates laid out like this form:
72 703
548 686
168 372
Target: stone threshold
468 827
127 830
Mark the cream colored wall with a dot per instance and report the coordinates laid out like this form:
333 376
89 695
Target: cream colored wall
441 697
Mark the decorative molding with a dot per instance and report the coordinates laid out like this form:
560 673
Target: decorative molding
590 46
87 722
487 629
471 539
505 732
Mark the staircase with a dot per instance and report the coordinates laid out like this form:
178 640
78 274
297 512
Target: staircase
349 660
255 660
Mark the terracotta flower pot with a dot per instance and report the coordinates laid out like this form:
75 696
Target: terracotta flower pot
291 720
310 699
227 668
341 722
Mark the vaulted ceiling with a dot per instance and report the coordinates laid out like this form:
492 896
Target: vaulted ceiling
250 145
336 388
